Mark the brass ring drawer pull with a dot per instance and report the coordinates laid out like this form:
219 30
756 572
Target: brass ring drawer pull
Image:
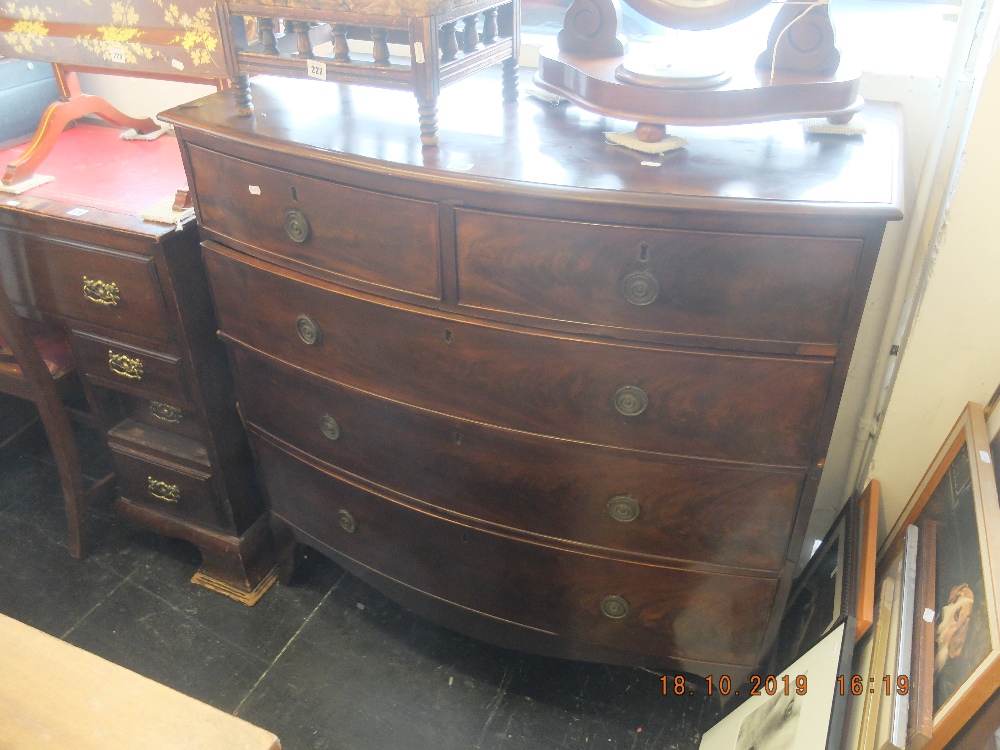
329 427
309 330
640 288
168 493
614 606
165 412
624 508
101 292
297 226
346 521
630 400
127 367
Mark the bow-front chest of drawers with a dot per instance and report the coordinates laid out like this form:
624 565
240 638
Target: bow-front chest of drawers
546 391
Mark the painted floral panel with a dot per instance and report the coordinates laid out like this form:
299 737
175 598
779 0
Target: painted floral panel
177 37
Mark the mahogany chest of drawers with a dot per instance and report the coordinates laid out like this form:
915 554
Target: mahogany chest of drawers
546 391
134 299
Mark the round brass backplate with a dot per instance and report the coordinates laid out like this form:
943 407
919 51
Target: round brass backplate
309 330
297 226
329 427
640 288
631 400
624 508
614 606
346 521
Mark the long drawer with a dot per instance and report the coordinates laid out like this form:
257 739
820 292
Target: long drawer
616 499
756 409
351 233
117 290
651 609
762 287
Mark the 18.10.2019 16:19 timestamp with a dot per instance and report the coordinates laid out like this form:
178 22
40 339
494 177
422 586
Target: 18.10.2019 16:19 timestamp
785 684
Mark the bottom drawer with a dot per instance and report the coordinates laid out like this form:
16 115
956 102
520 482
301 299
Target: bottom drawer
656 610
164 487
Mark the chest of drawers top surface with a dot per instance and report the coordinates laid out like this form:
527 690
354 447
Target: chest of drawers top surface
540 150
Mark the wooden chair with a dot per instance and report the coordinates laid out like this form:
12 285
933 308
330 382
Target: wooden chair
36 364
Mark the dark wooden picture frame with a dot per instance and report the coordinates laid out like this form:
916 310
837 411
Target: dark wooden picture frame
959 494
824 594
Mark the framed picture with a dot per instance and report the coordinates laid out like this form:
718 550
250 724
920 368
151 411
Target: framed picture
868 509
958 494
805 708
823 595
921 720
892 679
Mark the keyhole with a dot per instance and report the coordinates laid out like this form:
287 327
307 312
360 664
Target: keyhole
457 438
447 336
295 194
644 252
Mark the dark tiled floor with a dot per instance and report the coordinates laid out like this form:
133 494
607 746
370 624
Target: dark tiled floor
325 663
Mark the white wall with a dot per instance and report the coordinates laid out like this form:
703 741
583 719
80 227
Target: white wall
953 353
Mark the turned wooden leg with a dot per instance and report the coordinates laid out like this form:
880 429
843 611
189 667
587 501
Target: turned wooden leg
241 92
510 80
56 118
427 108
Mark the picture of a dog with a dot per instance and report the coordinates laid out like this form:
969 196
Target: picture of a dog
953 625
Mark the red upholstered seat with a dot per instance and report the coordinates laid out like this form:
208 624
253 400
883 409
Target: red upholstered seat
51 343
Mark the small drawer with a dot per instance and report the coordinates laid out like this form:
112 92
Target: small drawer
117 290
760 409
163 486
163 415
662 611
742 286
622 500
355 235
133 370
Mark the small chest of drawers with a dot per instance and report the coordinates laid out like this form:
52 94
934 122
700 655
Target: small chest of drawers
134 299
533 386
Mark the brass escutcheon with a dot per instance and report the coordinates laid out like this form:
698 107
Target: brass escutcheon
614 606
630 400
168 493
102 292
624 508
165 412
127 367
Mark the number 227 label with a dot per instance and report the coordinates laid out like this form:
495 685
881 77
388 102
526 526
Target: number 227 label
316 69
